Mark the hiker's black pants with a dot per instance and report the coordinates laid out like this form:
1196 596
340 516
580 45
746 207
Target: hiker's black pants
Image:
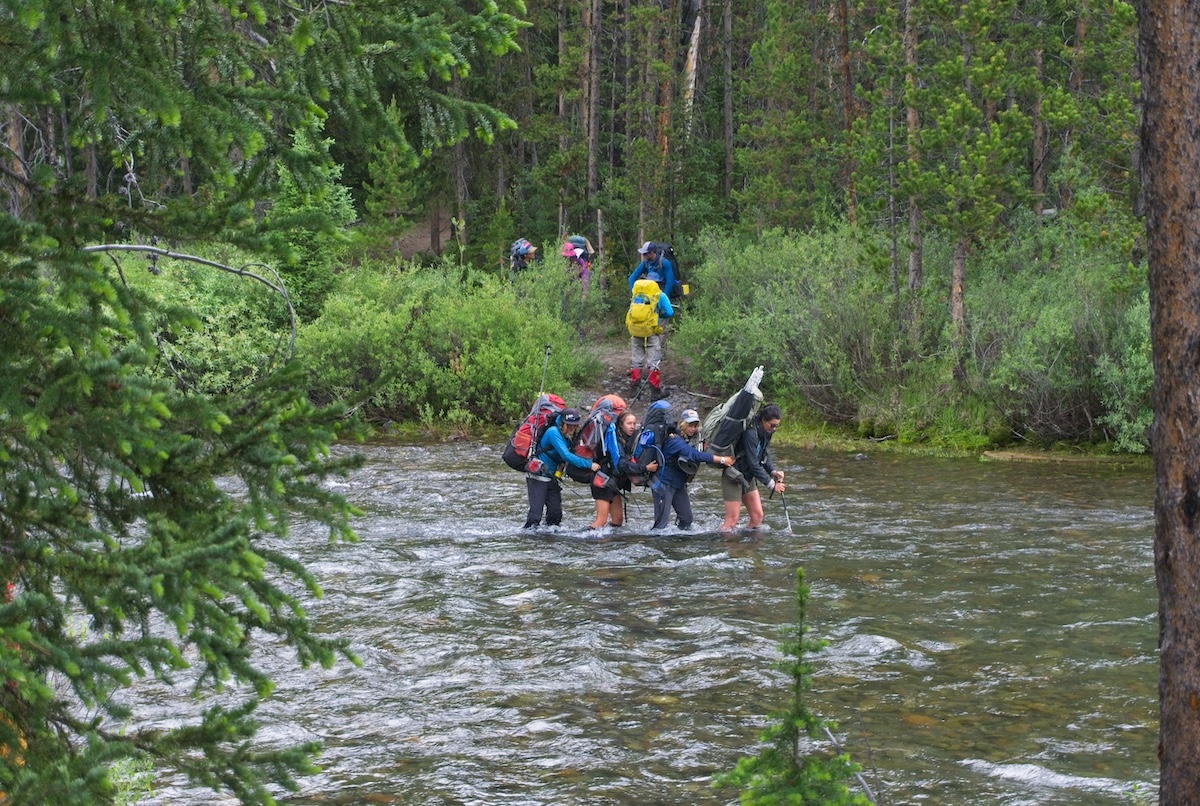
543 495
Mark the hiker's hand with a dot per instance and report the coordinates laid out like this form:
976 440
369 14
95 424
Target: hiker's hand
652 467
595 466
754 380
724 461
778 487
778 476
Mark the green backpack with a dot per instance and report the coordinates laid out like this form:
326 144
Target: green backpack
724 425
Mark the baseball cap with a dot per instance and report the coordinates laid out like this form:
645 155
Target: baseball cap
571 417
690 416
648 246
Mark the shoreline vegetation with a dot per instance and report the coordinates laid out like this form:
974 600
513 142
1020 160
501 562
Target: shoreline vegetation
1054 362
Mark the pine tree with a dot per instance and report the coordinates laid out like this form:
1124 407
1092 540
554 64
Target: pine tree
142 525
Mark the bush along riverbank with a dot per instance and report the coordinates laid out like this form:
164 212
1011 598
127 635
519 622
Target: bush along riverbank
1054 350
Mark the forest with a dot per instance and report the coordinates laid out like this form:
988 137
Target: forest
924 219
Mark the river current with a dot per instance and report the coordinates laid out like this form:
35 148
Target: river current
991 632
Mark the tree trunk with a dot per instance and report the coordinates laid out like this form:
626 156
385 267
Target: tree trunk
847 105
564 142
958 316
913 126
1039 156
1170 31
727 25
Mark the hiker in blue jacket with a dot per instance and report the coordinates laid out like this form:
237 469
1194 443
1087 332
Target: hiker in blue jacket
653 261
672 490
541 483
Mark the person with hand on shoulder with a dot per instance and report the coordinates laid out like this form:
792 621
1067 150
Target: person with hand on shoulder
753 460
541 482
680 462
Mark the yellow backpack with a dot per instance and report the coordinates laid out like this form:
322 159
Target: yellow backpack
642 318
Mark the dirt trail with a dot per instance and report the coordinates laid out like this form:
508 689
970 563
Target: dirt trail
614 355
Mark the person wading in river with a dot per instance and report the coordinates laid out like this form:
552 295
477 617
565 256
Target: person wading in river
753 462
680 462
541 482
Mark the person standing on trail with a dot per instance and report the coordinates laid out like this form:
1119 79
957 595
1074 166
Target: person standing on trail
648 307
541 482
680 462
653 261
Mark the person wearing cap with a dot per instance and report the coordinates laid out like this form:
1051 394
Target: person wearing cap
753 461
680 460
554 449
649 309
654 262
521 254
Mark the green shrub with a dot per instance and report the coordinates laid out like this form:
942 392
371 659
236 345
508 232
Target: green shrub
437 342
1125 379
217 331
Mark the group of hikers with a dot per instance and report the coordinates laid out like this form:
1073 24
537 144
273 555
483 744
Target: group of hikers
610 451
653 283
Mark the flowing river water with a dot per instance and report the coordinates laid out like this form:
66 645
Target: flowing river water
991 633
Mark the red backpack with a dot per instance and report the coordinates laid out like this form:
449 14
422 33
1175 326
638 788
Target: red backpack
522 444
590 442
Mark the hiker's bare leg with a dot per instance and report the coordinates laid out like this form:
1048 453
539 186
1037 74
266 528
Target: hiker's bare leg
753 502
602 508
733 510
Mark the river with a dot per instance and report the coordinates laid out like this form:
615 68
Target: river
991 633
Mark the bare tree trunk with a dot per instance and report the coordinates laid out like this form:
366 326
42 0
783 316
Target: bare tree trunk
564 142
848 106
435 226
16 147
459 159
915 257
727 25
1039 148
958 273
1170 50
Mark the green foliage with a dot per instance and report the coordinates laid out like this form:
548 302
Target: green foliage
1126 378
1056 341
437 341
112 511
217 332
790 770
307 222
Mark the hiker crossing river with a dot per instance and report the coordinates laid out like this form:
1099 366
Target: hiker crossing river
992 636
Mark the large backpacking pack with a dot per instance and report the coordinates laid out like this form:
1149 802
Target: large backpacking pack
582 249
678 290
589 442
521 447
519 253
656 426
642 317
724 425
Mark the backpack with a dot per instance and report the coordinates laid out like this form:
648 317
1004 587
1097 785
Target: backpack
589 443
678 290
724 425
518 253
642 317
580 242
521 447
655 429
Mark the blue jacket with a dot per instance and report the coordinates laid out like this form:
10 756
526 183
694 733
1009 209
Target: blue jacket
610 461
664 269
676 449
553 450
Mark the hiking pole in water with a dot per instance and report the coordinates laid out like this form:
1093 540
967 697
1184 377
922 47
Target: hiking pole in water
545 364
783 498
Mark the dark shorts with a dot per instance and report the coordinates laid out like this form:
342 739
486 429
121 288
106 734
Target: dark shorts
603 493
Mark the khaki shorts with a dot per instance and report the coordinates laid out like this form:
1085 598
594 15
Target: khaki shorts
732 489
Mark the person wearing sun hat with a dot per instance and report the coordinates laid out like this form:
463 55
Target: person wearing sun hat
680 458
553 450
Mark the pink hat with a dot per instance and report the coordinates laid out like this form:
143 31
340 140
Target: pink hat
568 249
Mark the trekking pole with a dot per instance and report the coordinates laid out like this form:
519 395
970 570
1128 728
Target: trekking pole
545 364
783 498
